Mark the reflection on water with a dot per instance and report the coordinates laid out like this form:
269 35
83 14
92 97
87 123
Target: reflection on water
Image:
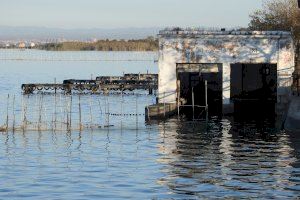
223 163
234 159
165 161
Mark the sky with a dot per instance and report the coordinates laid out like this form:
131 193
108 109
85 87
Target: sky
72 14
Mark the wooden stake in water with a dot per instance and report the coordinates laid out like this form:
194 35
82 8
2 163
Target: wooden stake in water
55 86
100 110
105 112
121 109
45 116
79 107
22 109
14 115
91 113
136 112
40 112
7 108
55 111
108 112
71 100
61 112
67 111
24 116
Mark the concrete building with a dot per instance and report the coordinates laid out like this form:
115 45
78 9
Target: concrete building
238 65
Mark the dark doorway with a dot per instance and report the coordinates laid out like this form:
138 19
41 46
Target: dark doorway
254 90
191 78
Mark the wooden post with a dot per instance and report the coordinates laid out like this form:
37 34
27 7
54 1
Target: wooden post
55 86
55 111
22 109
40 113
71 100
61 112
108 113
45 116
7 108
121 109
67 112
100 110
136 112
91 113
24 117
14 116
79 107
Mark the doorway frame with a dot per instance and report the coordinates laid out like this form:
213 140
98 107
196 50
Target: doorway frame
220 68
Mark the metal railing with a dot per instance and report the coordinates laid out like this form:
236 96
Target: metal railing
193 104
164 95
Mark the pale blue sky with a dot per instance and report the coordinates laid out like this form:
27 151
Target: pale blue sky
126 13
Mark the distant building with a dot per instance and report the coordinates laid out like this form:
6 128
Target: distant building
32 45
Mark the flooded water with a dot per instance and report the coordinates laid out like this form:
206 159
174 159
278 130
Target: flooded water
134 160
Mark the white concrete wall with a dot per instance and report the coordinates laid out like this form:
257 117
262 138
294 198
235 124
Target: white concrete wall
225 49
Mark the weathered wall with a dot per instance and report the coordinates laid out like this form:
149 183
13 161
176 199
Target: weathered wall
226 48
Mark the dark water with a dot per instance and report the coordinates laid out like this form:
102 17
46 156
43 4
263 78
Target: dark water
167 160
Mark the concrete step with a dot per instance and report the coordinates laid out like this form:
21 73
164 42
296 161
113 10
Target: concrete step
160 111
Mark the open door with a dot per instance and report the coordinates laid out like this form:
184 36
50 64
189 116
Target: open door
191 79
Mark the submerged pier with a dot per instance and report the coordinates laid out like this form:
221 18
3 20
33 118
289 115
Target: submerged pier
104 84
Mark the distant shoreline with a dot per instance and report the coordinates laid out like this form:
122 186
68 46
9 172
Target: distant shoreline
149 44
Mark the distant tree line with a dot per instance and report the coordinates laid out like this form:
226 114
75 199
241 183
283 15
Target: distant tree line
148 44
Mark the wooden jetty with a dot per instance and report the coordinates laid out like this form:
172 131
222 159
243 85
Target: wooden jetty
105 84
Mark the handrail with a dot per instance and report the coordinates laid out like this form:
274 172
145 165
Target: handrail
178 103
165 94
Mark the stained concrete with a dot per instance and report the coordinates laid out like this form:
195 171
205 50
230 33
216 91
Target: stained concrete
225 48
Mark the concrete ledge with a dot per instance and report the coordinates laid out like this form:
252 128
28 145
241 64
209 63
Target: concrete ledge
160 111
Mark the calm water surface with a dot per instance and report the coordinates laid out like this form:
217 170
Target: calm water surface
134 160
